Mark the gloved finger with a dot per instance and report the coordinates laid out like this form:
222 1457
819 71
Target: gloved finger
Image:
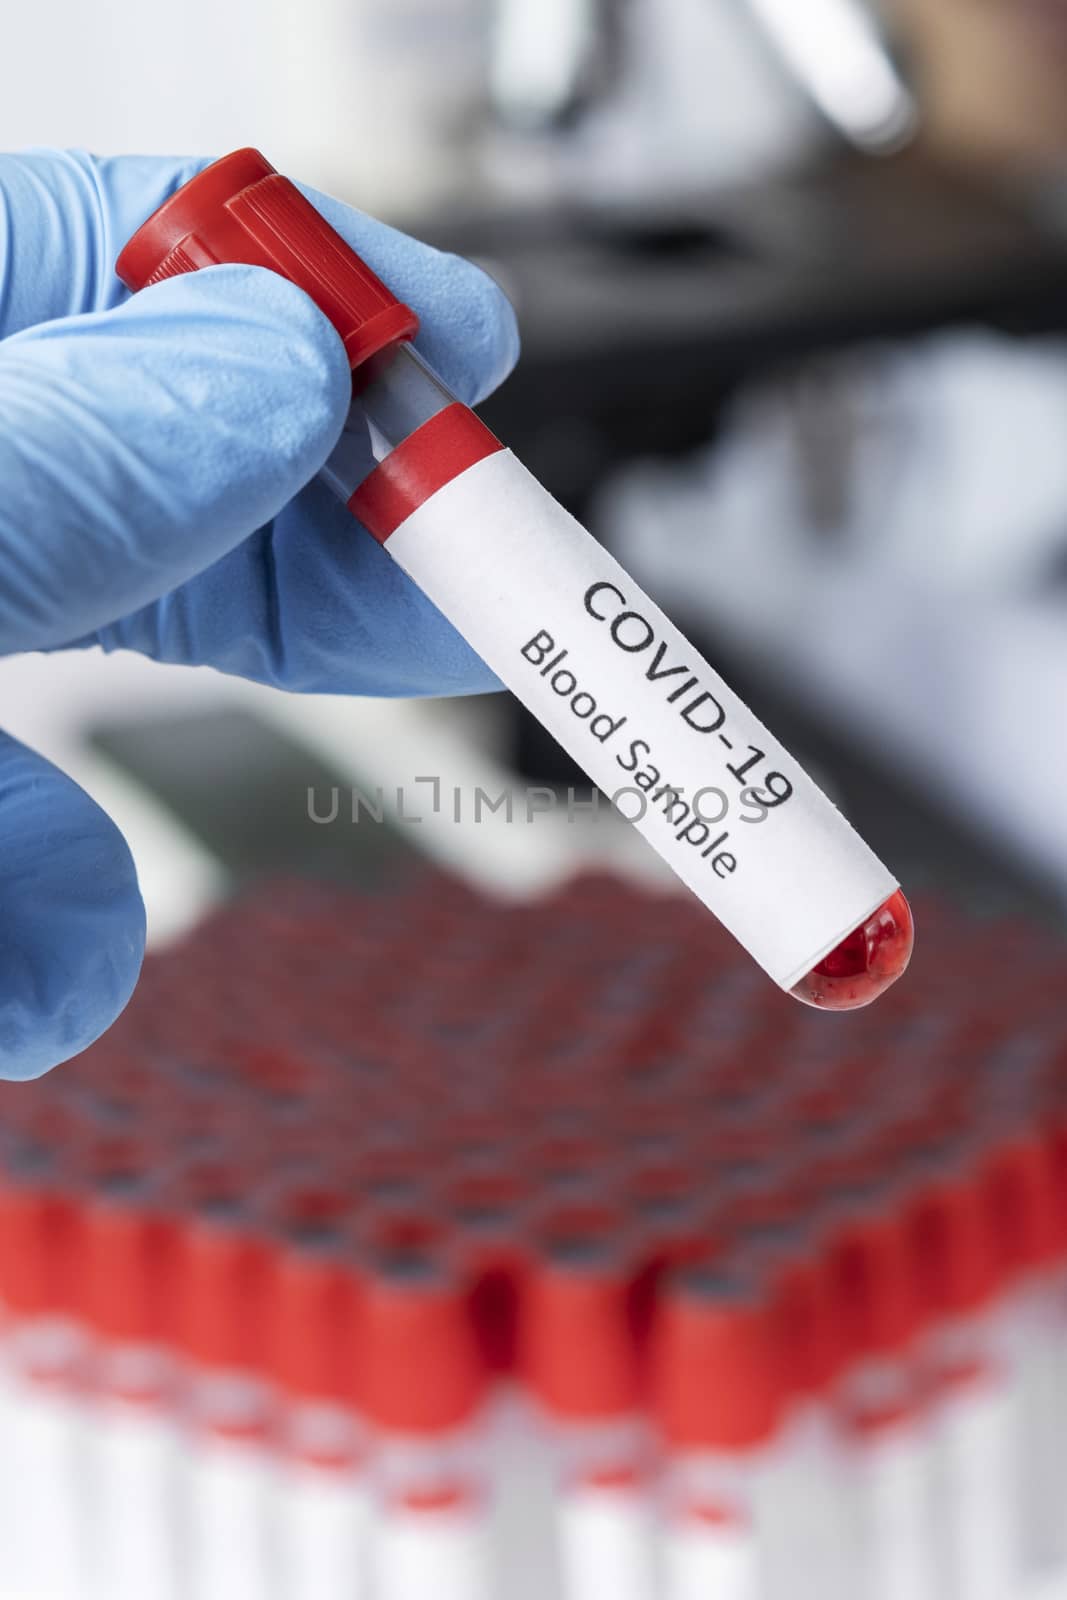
65 215
141 444
310 603
467 327
71 918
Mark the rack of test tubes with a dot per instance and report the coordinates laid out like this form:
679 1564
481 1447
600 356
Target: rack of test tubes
413 1245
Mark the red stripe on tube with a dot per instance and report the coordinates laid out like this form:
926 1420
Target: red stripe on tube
442 448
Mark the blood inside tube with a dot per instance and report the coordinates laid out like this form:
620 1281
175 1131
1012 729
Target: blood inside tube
864 965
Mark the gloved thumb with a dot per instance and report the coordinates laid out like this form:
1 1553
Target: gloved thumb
141 444
71 919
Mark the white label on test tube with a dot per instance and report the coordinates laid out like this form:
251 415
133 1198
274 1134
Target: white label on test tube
1033 1338
231 1500
523 1500
712 1541
806 1536
433 1531
135 1459
977 1432
647 718
604 1527
701 1561
440 1553
606 1543
894 1479
323 1518
44 1444
47 1513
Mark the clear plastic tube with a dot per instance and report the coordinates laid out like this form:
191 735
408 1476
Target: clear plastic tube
396 392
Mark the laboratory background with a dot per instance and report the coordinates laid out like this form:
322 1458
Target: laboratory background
456 1212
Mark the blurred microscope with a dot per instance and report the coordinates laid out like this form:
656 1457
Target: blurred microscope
696 91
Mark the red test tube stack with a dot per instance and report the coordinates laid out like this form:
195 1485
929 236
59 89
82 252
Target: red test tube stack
413 1243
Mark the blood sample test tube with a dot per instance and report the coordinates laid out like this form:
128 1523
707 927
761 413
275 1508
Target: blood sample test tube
134 1446
717 1393
323 1504
224 1282
1021 1199
886 1429
668 1233
973 1396
423 1388
810 1555
492 1252
43 1545
556 617
488 1245
578 1356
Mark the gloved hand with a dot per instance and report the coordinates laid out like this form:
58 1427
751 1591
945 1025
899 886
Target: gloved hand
155 495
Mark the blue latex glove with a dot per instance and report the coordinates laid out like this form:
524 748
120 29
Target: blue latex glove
155 464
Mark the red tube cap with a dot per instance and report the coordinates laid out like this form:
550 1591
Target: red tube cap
806 1319
224 1284
874 1279
954 1247
241 210
421 1369
577 1350
128 1268
40 1247
717 1379
1022 1203
314 1328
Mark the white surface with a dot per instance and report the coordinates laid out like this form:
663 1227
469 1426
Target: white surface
378 100
512 569
118 76
314 82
